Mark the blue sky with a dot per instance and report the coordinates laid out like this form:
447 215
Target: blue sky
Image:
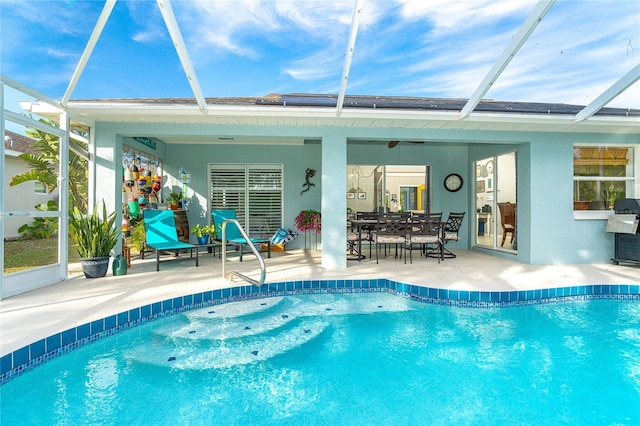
426 48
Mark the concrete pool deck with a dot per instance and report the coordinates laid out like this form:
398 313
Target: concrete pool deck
40 313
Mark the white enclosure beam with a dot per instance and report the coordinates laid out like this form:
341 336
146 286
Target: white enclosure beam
510 51
14 84
181 49
353 33
605 97
95 35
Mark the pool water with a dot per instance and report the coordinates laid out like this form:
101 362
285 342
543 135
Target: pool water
348 359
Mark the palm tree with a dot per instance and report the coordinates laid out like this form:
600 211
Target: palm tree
43 166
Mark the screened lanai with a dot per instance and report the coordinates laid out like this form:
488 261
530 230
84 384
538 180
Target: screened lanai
328 85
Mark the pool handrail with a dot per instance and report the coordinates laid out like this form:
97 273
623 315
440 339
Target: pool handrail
263 268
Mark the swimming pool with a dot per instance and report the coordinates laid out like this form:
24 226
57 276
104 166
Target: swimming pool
365 358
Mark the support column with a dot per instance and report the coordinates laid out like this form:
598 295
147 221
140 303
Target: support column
105 173
334 202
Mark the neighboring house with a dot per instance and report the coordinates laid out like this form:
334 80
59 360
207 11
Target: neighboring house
23 197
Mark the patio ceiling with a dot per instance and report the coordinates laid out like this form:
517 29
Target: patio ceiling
515 51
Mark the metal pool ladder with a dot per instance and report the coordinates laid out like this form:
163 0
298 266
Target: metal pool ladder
263 268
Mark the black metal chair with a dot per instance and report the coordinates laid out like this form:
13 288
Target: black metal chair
368 230
360 233
392 228
425 229
451 233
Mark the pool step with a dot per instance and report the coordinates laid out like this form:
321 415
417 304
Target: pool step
234 320
238 333
235 309
229 353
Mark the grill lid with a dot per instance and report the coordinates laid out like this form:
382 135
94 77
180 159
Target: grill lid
627 206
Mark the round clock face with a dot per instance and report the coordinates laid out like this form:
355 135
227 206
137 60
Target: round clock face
453 182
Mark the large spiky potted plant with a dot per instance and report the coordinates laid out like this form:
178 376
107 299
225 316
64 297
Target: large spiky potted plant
96 237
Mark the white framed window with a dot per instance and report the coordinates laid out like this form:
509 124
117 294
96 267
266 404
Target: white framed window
254 191
601 175
39 188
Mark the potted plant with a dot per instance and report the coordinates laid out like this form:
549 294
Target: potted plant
204 233
174 199
96 237
309 220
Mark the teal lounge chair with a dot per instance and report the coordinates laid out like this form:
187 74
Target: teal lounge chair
161 234
234 237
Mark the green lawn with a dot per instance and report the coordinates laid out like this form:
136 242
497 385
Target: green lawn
26 254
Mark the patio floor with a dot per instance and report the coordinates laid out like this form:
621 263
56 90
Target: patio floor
29 317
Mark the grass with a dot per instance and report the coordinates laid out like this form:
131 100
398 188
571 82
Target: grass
26 254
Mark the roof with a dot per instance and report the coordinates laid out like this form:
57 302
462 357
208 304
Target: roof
358 112
376 102
16 142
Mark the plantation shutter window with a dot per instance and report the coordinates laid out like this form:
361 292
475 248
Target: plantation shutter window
254 191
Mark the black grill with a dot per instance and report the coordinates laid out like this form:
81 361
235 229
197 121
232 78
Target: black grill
627 246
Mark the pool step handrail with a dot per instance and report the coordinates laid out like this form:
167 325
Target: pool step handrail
263 268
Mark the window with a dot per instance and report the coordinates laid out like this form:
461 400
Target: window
40 188
601 175
254 191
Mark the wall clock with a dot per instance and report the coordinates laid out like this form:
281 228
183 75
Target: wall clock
453 182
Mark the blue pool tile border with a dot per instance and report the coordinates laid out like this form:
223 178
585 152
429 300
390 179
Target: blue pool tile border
37 353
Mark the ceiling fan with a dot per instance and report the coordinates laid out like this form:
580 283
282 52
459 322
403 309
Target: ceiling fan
393 144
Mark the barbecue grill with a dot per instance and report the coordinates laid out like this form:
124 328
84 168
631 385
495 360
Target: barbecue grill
627 238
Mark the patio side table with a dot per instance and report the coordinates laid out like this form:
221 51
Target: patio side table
211 245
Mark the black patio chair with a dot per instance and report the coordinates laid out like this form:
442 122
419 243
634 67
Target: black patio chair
392 228
425 230
451 233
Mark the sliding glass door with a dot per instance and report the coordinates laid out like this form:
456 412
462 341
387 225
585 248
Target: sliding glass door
496 207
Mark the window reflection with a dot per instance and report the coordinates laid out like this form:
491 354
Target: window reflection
601 176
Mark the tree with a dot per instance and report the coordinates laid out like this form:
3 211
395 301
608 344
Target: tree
44 165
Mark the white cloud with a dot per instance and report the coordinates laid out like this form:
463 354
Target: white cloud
58 16
313 67
448 16
147 21
253 28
